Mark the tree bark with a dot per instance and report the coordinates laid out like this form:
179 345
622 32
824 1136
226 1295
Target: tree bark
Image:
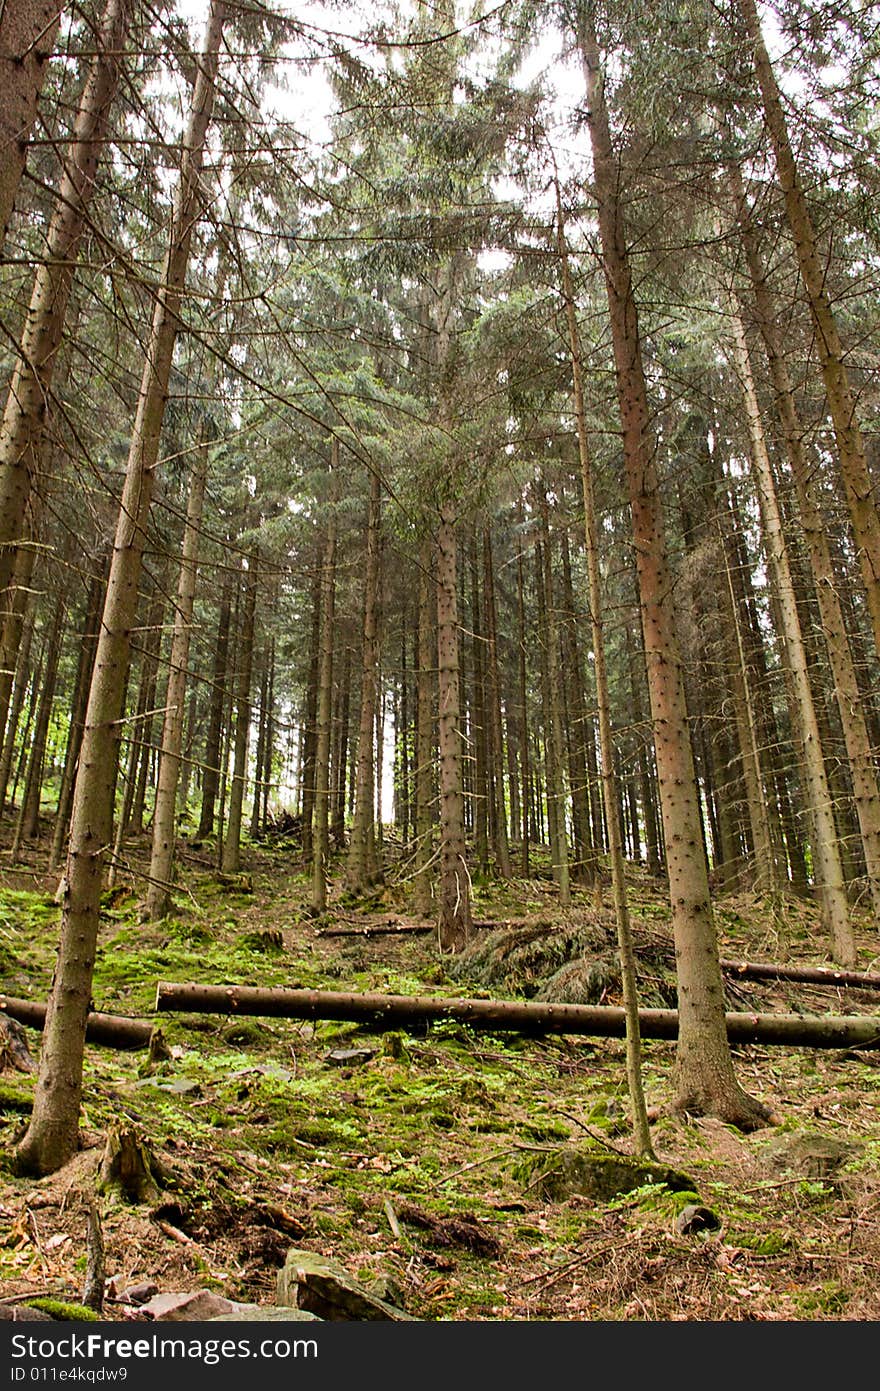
321 821
231 856
162 854
828 871
23 431
115 1030
454 889
27 36
214 737
705 1077
859 488
641 1132
425 818
51 1138
846 687
386 1012
362 860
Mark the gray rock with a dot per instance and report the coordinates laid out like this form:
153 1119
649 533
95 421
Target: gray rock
183 1306
321 1286
604 1176
348 1057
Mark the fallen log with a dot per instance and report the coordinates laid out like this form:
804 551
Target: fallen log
384 929
805 975
512 1016
113 1030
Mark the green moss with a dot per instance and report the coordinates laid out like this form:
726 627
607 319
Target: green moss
64 1311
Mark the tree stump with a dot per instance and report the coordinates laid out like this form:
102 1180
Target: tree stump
128 1168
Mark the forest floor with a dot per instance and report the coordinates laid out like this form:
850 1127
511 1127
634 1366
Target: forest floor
423 1162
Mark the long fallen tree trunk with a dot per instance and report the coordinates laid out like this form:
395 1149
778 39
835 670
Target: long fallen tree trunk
113 1030
807 975
497 1016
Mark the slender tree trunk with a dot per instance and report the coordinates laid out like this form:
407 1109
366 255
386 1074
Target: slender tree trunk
23 431
27 37
362 863
523 699
340 755
87 646
839 393
310 714
454 889
828 871
576 729
493 699
51 1138
20 674
556 794
231 857
705 1077
641 1130
162 855
28 825
214 738
320 833
846 687
424 771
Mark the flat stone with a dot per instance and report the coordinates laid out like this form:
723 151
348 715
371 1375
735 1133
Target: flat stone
348 1057
183 1306
321 1286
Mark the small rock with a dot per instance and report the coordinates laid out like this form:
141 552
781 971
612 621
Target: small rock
693 1219
348 1057
313 1282
178 1306
139 1294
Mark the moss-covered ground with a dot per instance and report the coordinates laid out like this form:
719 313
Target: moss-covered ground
422 1160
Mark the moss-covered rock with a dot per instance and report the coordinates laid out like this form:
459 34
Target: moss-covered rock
592 1174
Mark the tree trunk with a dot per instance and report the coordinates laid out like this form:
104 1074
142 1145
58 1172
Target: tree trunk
641 1131
840 396
385 1012
27 37
705 1077
214 737
424 770
23 431
51 1138
846 688
362 862
162 855
321 821
309 734
555 744
87 645
454 889
231 856
19 674
28 825
828 872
